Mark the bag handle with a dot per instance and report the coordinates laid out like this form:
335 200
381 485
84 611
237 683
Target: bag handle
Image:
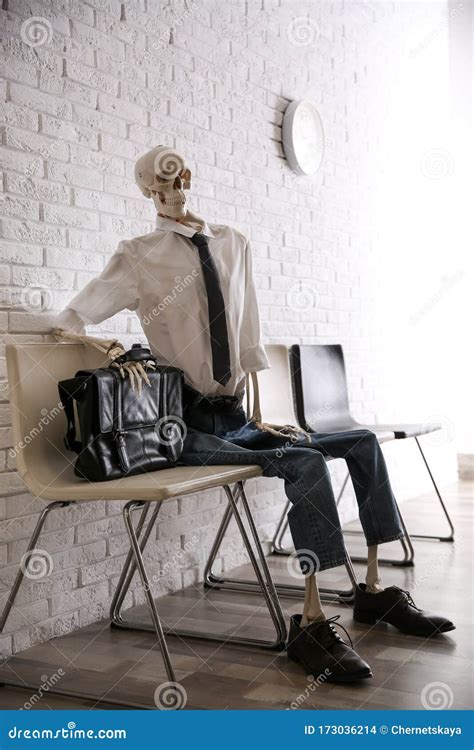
137 353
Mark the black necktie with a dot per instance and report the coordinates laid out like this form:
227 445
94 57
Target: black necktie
216 307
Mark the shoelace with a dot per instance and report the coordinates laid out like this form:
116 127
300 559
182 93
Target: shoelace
331 622
408 597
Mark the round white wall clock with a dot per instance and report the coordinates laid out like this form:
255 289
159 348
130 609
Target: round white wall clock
303 137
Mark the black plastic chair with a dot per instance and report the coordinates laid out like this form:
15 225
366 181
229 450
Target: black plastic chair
326 415
322 403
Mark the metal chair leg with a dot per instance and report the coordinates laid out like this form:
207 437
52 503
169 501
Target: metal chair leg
213 580
277 541
408 558
5 679
449 538
129 567
147 587
264 578
343 487
407 561
406 544
31 546
264 585
408 547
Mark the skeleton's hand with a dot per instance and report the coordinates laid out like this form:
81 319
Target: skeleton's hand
136 371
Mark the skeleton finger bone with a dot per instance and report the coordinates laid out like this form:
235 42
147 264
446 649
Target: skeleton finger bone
142 373
130 371
135 371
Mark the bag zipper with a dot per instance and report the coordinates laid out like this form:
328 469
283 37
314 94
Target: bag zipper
119 433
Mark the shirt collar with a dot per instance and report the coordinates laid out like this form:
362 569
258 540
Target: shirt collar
170 225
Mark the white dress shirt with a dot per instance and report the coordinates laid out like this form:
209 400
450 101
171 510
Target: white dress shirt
159 276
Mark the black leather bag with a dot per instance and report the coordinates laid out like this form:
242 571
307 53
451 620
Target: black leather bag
123 433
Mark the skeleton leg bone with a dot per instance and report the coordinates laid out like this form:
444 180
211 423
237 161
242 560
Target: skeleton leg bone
312 608
372 577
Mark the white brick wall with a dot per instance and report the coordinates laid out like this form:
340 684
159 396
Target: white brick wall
212 78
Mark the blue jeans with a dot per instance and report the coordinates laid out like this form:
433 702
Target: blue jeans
219 433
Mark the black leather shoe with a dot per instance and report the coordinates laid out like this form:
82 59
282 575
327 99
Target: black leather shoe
322 652
395 606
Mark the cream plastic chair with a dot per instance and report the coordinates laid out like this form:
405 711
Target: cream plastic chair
277 407
46 468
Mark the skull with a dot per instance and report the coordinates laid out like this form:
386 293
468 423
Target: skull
162 174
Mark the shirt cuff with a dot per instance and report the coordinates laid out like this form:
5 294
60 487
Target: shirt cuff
254 360
69 320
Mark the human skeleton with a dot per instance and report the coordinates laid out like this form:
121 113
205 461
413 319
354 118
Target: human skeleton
163 175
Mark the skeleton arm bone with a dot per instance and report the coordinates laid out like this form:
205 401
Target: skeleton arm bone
112 291
113 349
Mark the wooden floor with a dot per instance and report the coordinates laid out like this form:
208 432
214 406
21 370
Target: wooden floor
125 666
